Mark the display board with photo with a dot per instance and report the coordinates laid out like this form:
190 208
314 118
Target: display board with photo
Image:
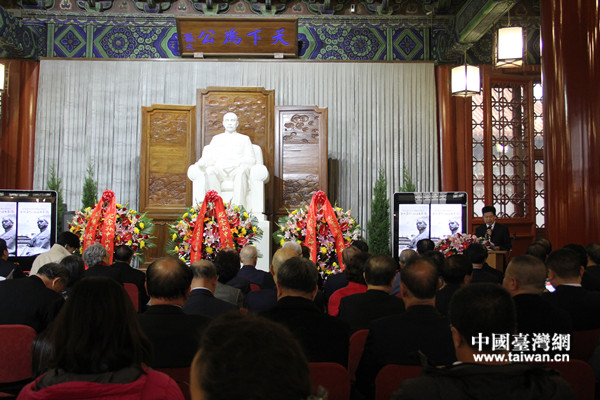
8 216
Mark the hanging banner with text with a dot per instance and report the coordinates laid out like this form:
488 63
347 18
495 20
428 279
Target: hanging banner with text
210 36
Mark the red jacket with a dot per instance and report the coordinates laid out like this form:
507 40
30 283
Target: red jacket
152 385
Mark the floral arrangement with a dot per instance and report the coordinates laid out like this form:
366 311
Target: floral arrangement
243 226
131 228
457 243
293 227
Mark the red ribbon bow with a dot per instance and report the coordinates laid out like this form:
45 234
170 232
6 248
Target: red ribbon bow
224 230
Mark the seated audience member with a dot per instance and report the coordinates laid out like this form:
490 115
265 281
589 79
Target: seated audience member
66 244
425 245
581 252
228 265
174 334
456 273
525 279
323 338
292 244
8 269
73 264
361 245
483 309
249 257
339 280
96 259
236 362
536 250
545 243
305 251
98 350
356 282
264 299
564 273
438 259
202 300
482 272
33 301
398 339
591 276
405 256
122 261
358 310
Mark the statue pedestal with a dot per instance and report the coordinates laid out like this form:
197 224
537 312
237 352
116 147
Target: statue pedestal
264 245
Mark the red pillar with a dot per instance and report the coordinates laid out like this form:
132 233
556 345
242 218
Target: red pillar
571 83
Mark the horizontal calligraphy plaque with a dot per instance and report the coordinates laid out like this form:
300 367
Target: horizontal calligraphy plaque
212 36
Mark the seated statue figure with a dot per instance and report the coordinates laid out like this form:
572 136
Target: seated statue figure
232 166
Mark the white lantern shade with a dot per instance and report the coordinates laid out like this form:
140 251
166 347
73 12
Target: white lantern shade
466 80
509 47
2 74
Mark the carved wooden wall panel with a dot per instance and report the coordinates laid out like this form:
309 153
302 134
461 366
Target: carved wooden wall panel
300 155
168 148
254 108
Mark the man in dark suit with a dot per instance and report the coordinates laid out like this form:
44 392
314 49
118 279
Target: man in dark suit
174 334
525 279
457 272
249 257
33 301
96 259
398 339
6 267
591 277
228 266
564 273
482 272
202 300
495 232
358 310
323 338
123 255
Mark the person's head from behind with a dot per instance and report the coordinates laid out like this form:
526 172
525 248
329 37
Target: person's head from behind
69 241
405 256
233 345
489 215
546 243
525 274
292 244
580 250
380 271
94 255
249 255
3 249
123 254
205 274
476 253
74 264
457 270
425 245
279 258
564 266
168 279
480 309
438 259
297 276
355 268
97 330
228 265
361 245
536 250
55 276
419 282
349 252
593 253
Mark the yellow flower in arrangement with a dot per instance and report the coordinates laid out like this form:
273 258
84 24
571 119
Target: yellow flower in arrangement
282 242
129 243
141 225
236 209
136 231
184 215
182 259
174 237
142 244
295 212
244 231
324 250
234 231
176 248
119 205
245 214
209 250
254 229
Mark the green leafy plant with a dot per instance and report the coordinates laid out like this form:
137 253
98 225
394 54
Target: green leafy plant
378 227
89 197
407 183
54 183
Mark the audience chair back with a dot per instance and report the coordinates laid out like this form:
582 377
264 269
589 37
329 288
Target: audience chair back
15 356
357 345
133 293
390 378
584 343
181 376
580 375
331 376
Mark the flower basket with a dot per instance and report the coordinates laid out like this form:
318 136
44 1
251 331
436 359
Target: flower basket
458 243
294 226
130 227
243 226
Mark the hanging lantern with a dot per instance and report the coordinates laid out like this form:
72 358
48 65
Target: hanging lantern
509 47
466 80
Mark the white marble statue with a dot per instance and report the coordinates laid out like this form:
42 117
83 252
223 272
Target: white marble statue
232 166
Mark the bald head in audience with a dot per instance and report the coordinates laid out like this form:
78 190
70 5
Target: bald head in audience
295 246
279 258
205 274
525 274
419 282
249 255
380 272
405 256
168 281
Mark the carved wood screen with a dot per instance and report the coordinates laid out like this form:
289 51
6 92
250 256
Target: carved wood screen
254 108
300 155
168 148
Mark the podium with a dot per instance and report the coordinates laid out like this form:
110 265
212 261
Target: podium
497 259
